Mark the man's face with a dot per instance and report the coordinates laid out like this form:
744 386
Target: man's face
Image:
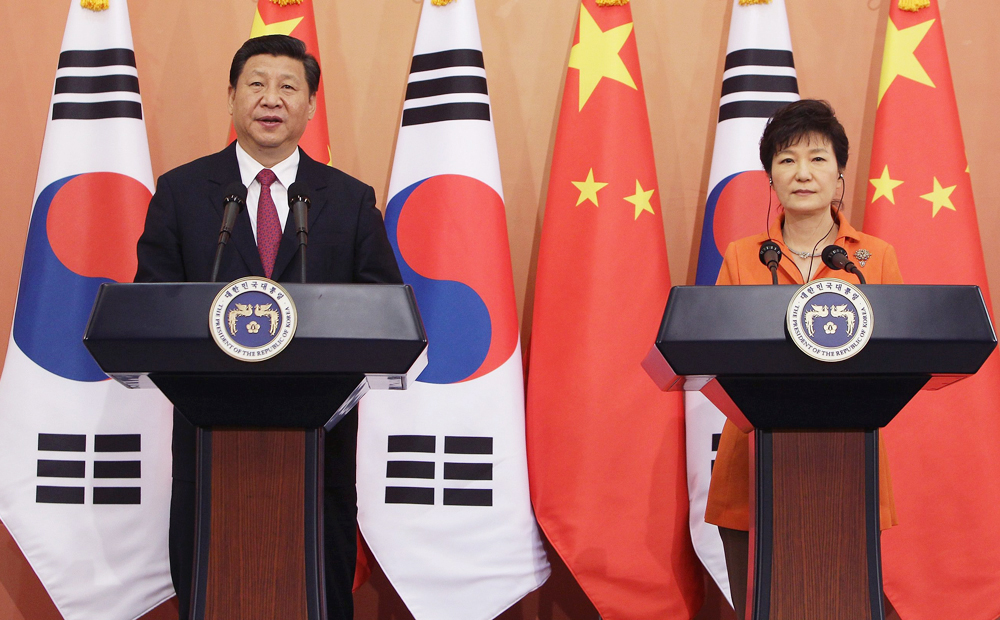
271 106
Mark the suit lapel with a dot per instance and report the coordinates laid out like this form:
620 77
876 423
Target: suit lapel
311 174
242 238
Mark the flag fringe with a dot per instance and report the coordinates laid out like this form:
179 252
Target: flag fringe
95 5
441 2
912 5
612 2
286 2
749 2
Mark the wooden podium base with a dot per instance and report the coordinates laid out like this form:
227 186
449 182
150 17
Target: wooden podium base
814 533
258 548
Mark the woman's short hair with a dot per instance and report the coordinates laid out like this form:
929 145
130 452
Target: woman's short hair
798 119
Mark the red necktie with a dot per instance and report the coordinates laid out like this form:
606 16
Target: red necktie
268 225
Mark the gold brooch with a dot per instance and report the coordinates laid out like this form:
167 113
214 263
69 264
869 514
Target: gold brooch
862 256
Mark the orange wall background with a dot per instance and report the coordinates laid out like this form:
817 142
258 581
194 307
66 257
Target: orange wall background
183 50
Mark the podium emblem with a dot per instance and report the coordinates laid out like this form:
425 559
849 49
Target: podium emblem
252 319
829 320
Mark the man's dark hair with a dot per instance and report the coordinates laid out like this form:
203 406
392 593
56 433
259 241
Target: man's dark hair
276 45
797 120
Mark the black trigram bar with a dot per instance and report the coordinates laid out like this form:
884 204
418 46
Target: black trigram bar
118 443
468 445
62 443
97 84
117 495
468 497
749 109
409 469
58 495
61 469
465 111
117 469
468 471
409 495
760 83
760 57
96 110
450 58
412 443
716 438
447 86
97 58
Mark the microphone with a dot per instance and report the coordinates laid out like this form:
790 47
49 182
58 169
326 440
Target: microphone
835 257
298 202
770 256
236 197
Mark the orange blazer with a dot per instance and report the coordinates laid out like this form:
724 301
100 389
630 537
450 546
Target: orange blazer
729 493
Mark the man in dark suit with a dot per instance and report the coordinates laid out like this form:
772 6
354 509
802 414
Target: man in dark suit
272 96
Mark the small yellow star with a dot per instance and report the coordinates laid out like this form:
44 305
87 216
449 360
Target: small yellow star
259 28
940 198
588 189
329 163
899 59
641 200
596 55
884 186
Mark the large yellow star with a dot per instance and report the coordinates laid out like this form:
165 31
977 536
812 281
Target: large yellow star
884 186
899 59
588 189
940 198
596 55
259 28
641 200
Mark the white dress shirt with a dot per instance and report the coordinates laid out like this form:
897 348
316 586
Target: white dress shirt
285 170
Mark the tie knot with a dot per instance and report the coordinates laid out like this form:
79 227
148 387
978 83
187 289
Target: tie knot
265 177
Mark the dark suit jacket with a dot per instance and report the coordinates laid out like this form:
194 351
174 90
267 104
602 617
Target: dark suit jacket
347 240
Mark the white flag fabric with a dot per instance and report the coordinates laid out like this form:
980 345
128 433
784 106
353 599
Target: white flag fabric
85 463
442 473
759 78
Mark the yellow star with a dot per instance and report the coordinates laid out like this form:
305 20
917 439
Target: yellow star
898 58
884 186
596 55
329 163
588 189
641 200
940 197
259 28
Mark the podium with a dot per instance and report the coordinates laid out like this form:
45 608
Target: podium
814 532
259 528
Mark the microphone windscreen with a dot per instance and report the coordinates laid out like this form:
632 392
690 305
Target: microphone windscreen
769 252
835 257
298 192
236 190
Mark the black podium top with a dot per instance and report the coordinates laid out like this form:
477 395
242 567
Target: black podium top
735 338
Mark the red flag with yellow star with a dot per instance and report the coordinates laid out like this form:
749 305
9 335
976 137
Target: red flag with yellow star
941 561
295 18
605 446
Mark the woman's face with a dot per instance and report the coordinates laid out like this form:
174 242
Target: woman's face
805 175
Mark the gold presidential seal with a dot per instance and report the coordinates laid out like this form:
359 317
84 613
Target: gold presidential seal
829 319
252 319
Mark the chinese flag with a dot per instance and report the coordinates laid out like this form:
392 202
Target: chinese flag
942 560
605 446
295 18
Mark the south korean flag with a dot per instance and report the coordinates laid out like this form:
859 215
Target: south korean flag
442 470
85 464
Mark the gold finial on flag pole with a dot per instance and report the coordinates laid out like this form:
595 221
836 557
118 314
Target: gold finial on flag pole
913 5
749 2
95 5
286 2
441 2
612 2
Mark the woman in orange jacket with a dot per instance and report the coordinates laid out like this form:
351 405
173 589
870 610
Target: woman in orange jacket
804 152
